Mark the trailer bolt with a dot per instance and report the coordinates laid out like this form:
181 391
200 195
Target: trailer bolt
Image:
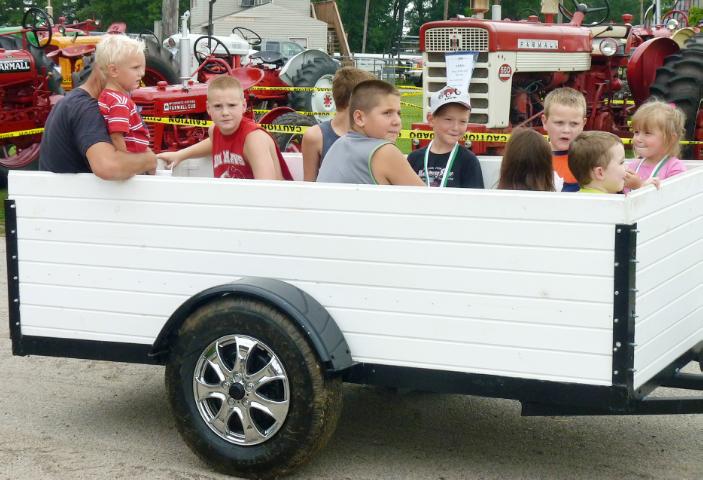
617 292
12 231
617 264
618 344
615 320
615 349
615 372
619 230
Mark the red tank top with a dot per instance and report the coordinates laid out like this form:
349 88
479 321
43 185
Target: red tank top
228 153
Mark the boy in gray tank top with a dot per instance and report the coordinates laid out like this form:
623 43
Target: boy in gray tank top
367 154
317 140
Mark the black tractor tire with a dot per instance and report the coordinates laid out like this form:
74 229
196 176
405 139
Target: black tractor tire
291 142
158 69
680 81
307 76
230 350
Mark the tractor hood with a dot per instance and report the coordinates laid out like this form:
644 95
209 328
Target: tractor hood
473 34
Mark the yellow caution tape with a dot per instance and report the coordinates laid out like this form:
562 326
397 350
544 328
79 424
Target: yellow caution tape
407 104
20 133
189 122
300 112
411 94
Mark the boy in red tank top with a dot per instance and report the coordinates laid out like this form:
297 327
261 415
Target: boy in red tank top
239 148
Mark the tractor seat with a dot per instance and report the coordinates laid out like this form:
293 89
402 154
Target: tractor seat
248 76
268 56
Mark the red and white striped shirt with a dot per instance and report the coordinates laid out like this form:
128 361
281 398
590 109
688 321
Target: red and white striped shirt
121 115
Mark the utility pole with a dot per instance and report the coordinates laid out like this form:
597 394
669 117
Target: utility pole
169 18
446 9
366 27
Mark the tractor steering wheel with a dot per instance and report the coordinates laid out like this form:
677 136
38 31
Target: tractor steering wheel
585 9
678 15
205 54
249 35
149 34
36 20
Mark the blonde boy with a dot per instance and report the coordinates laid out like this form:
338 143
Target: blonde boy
121 61
367 154
564 118
318 140
238 146
597 160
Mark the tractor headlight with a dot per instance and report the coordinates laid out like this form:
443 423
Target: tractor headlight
672 24
608 47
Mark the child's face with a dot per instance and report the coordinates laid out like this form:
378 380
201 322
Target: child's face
563 124
226 108
128 74
383 121
450 125
612 178
649 144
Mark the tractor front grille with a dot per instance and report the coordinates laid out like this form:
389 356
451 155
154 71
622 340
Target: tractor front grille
451 39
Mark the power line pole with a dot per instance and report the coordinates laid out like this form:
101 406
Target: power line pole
169 17
366 26
446 9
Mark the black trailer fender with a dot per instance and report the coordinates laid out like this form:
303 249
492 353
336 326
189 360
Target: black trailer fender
311 317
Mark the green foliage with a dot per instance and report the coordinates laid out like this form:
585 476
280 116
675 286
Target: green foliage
137 14
695 16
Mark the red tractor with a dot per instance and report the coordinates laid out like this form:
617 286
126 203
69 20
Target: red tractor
28 87
616 66
310 68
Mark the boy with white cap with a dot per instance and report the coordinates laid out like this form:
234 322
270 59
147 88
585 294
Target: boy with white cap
445 163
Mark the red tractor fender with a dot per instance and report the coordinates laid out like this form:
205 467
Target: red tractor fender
643 64
269 117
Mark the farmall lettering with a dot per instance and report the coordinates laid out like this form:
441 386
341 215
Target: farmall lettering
179 106
14 66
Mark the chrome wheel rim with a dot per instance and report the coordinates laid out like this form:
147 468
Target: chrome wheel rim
322 101
241 390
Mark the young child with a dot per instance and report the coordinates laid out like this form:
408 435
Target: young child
597 160
657 128
527 162
239 148
317 140
121 62
564 118
445 163
367 154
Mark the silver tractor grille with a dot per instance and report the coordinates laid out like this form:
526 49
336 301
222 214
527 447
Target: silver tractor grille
439 41
456 39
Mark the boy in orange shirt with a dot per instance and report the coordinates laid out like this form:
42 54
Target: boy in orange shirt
564 118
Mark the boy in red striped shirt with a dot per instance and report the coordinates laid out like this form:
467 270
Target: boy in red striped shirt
122 63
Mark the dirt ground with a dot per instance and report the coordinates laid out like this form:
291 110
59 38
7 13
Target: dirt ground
76 419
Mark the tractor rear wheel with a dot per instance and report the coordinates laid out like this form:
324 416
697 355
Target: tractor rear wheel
680 81
157 70
291 142
317 73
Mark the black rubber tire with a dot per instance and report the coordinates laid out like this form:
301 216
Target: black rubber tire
307 76
158 69
291 142
680 81
315 398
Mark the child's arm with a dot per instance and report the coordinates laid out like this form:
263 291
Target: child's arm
201 149
312 153
389 167
118 141
257 153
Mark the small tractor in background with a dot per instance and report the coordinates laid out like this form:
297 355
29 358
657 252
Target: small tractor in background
310 68
616 66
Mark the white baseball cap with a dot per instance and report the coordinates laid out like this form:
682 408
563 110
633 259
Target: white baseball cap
449 95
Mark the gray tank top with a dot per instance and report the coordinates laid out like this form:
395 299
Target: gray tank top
349 159
329 136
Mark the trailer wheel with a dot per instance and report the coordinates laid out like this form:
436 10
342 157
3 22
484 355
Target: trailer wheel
680 81
247 391
317 73
291 142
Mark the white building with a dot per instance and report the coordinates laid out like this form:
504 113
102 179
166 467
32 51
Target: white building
271 19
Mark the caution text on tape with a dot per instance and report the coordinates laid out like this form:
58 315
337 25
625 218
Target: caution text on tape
21 133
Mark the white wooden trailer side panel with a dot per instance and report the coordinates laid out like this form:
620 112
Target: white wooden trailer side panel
669 301
502 283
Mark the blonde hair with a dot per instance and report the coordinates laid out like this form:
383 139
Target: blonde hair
588 151
665 117
567 97
113 49
224 82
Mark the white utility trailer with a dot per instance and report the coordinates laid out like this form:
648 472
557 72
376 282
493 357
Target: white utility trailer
261 298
